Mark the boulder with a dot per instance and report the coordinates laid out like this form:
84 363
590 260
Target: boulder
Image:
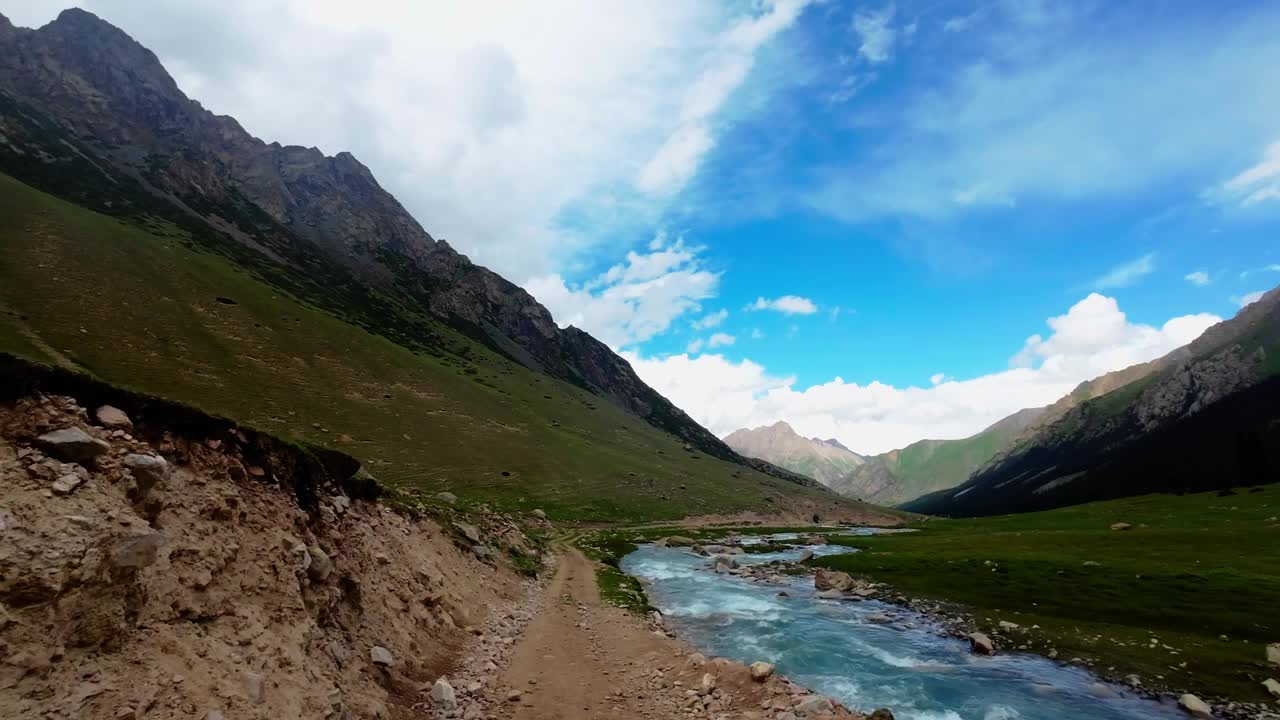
72 445
881 714
447 498
1121 526
723 560
148 470
113 418
805 555
814 705
833 580
320 566
66 484
981 644
760 671
470 532
137 551
829 595
679 541
708 683
443 695
1194 706
1006 625
1272 687
1273 653
539 514
382 656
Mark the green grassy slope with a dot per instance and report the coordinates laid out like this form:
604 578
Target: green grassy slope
1199 573
139 308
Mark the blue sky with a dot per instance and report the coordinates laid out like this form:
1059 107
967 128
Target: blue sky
877 221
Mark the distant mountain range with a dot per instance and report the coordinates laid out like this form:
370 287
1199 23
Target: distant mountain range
1204 417
1020 462
823 460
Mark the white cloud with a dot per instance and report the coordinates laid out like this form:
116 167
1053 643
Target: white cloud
490 121
680 155
635 300
757 334
1263 269
876 34
695 346
1258 183
1248 298
1199 277
720 340
787 304
1032 115
1127 274
834 313
711 320
1093 337
959 23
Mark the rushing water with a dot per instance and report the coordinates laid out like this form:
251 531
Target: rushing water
830 647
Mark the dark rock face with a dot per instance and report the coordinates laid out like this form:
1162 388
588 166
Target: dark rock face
1204 417
318 226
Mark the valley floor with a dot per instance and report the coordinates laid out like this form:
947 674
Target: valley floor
1169 592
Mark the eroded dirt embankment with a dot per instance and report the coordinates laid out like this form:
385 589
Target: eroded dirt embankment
163 564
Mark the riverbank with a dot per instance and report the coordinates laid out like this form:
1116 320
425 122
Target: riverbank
1179 597
580 657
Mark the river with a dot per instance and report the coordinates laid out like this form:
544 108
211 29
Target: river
830 647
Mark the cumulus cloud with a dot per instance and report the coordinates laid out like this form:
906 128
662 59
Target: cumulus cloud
720 340
876 34
711 320
787 304
1127 274
491 122
633 300
1199 278
1093 337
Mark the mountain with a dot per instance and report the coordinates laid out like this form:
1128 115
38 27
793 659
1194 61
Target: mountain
823 460
1204 417
284 252
929 465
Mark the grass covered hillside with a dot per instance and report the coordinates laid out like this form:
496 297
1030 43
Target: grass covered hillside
137 304
1184 598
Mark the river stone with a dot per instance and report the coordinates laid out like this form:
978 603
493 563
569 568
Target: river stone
1272 687
1121 526
382 656
833 580
447 497
760 671
1273 653
981 644
113 418
830 595
806 555
72 445
1195 706
443 696
679 541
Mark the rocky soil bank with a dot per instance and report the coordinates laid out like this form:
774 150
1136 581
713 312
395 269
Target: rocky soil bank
216 573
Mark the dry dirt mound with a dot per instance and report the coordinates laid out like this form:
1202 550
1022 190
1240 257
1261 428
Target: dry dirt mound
212 575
